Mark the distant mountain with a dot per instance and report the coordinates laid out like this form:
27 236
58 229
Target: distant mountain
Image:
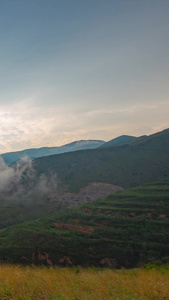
119 141
12 157
144 160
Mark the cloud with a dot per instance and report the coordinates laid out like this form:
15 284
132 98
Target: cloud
10 177
27 124
22 182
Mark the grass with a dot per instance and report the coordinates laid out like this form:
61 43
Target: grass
40 283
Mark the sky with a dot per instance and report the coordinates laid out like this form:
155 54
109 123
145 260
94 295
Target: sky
82 69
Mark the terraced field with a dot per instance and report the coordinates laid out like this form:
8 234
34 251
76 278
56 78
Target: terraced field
127 229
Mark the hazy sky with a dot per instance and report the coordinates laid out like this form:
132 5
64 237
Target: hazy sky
82 69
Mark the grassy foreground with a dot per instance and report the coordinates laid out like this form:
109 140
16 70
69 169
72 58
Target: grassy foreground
40 283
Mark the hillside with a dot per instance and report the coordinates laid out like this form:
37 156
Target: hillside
145 160
127 229
12 157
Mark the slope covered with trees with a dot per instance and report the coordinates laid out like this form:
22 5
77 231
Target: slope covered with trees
145 160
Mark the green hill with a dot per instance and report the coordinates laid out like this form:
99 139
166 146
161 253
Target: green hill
127 229
145 160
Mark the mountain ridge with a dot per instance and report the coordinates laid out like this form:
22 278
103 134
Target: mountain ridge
12 157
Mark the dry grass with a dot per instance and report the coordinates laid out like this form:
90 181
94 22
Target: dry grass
29 283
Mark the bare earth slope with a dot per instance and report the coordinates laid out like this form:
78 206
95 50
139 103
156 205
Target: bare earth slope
86 194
